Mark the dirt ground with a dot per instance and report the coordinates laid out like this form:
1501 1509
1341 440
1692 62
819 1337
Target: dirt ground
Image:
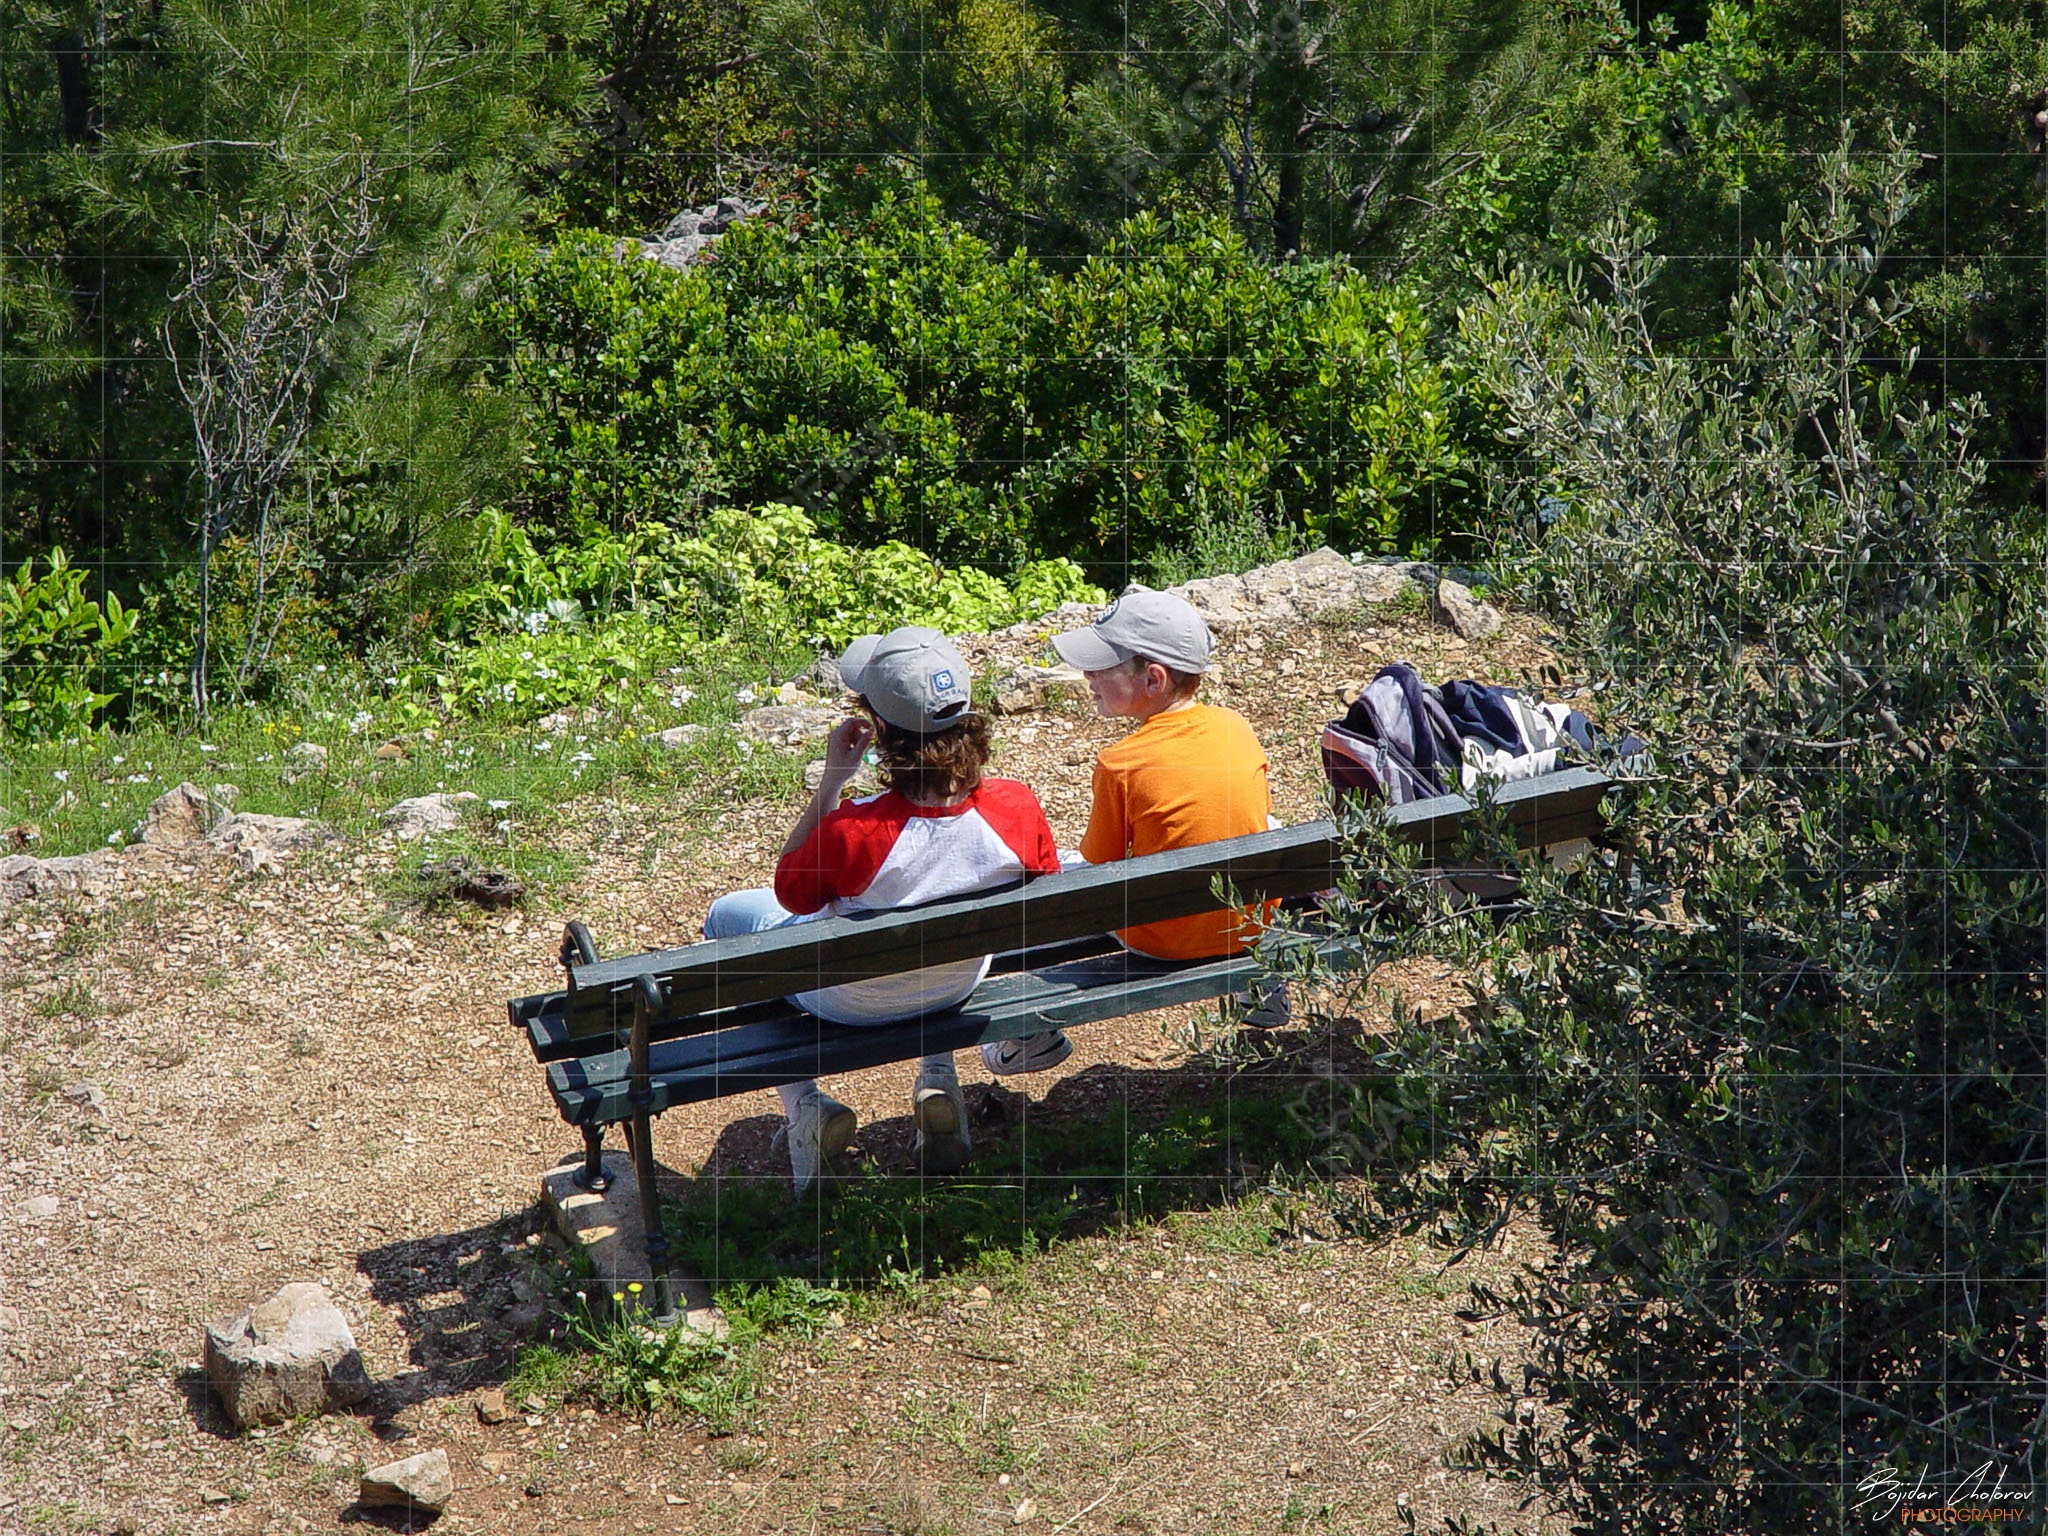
301 1081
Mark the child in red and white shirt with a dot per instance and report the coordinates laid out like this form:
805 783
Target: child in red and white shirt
940 829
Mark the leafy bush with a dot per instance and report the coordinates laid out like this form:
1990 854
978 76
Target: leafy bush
1770 1074
269 623
856 353
55 644
566 625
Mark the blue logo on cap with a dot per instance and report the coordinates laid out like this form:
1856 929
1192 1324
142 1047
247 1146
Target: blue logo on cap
942 682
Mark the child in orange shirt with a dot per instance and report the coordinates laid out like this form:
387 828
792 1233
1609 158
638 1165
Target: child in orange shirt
1189 774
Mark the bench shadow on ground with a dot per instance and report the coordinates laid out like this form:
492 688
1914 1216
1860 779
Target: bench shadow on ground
1101 1150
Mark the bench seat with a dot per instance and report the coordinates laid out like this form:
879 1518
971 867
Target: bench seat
785 1045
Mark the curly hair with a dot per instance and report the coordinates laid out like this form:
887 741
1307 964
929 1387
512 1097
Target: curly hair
935 767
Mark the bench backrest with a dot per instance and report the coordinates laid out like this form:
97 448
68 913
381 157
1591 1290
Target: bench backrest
1291 861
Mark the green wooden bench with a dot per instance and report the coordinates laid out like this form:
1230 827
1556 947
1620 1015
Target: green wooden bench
628 1038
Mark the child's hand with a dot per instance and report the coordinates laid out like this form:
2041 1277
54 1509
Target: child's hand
843 748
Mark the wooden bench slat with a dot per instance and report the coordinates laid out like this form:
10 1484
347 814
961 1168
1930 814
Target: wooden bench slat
546 1027
1292 861
598 1089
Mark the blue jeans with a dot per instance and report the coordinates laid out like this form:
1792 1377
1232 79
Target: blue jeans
756 911
745 912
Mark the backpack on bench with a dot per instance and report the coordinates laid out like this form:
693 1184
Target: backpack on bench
1396 742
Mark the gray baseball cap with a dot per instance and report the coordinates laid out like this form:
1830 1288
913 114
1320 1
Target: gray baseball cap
1155 625
912 677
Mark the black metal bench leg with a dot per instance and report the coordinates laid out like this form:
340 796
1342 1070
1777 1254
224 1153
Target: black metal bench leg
593 1175
646 1008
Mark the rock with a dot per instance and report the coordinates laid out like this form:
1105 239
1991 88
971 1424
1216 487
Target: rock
424 815
823 676
694 231
526 1317
490 1406
1024 689
1455 606
1324 582
1066 616
179 817
790 725
1024 1513
494 1462
22 877
213 1496
418 1482
284 1358
865 781
39 1207
1383 583
258 843
86 1093
677 737
306 756
1218 599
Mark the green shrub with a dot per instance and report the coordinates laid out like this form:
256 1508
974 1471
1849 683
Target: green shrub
856 353
55 646
561 627
1769 1075
269 624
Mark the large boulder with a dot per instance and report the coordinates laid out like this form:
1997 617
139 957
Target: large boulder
286 1357
790 725
1456 606
1020 690
694 231
418 1482
180 817
257 842
425 815
22 876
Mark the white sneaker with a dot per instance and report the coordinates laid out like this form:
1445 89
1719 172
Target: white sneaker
1265 1006
821 1129
1033 1053
941 1115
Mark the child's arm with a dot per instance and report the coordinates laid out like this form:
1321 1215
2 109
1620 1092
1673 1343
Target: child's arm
849 739
1108 838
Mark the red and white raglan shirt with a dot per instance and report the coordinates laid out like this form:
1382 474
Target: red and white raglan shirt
882 853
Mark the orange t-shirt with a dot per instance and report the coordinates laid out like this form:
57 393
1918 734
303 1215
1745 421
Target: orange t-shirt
1184 777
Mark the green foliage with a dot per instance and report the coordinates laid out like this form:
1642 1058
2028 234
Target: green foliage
144 140
688 108
634 1368
556 627
1712 120
524 675
858 354
768 569
1768 1073
55 647
271 620
1317 127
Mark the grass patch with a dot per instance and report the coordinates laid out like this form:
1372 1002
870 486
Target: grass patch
92 790
629 1367
69 1000
543 1371
1095 1169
